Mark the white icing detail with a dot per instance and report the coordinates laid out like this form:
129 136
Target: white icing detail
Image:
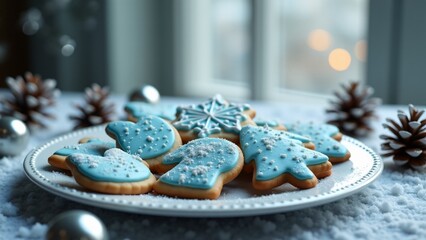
182 178
149 139
210 117
199 170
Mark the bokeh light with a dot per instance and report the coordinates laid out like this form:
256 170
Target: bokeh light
361 50
319 40
339 59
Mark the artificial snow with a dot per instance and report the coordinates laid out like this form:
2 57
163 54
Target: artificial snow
393 207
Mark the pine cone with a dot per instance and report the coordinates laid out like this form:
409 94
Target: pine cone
96 111
408 143
353 109
31 98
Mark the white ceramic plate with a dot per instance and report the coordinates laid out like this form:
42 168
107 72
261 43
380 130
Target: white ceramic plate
238 197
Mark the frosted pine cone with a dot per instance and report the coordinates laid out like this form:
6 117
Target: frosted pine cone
407 144
96 110
353 109
31 97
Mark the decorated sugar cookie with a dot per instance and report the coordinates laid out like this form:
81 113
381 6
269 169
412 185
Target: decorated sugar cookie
276 159
116 172
200 169
213 118
135 110
270 123
324 137
87 146
150 138
306 140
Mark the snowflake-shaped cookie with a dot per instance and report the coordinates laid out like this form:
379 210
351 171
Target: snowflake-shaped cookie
211 117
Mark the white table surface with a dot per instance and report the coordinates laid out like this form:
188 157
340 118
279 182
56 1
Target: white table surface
392 207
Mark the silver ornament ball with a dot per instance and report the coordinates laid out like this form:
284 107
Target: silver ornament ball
76 224
146 93
14 136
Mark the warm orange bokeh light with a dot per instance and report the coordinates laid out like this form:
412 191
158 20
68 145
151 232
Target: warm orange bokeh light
339 59
319 40
361 50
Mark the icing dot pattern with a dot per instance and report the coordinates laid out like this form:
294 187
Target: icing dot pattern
200 162
150 137
275 154
291 135
140 109
115 166
93 147
264 122
148 205
321 135
211 117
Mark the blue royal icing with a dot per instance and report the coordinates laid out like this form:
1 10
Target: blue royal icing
210 117
321 135
275 154
200 162
303 139
93 147
114 166
263 122
140 109
150 137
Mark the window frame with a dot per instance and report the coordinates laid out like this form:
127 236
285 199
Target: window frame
193 48
192 55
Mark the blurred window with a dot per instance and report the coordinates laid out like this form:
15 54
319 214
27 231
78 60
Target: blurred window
313 46
231 39
322 43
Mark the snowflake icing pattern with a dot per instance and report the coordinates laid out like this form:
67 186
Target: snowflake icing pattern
211 117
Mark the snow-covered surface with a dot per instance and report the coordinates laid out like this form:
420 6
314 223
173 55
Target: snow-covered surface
392 207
